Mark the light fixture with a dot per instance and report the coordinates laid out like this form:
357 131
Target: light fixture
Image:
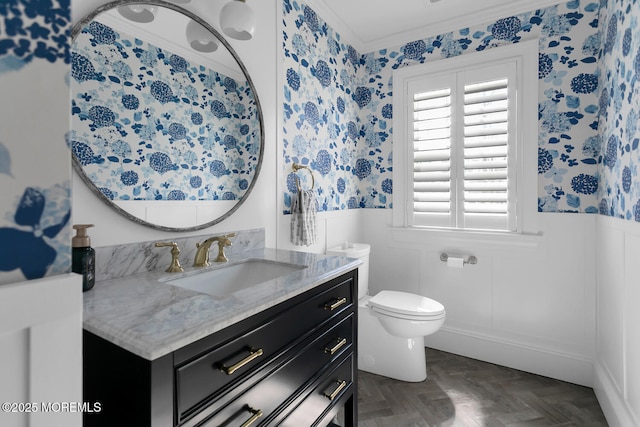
237 20
200 38
139 12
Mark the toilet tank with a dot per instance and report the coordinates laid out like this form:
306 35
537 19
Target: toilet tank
360 251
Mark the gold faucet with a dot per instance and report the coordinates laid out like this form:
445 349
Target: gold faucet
202 254
175 266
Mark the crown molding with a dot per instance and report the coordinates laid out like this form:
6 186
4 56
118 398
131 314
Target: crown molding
169 41
464 20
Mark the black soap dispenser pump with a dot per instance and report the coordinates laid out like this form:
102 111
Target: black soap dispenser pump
83 256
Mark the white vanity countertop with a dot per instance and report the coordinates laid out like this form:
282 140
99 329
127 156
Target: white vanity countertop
150 318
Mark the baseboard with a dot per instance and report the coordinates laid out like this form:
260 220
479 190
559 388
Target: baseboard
611 401
572 368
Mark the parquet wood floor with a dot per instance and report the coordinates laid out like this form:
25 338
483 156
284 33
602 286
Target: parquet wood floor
463 392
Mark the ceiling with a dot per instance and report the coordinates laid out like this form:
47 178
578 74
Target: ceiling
168 31
370 25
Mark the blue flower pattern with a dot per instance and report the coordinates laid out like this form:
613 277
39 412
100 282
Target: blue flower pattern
354 110
173 131
37 32
34 35
619 189
32 30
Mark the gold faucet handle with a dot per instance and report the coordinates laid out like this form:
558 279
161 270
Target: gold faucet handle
175 266
226 240
222 243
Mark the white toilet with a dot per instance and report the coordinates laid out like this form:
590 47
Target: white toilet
391 325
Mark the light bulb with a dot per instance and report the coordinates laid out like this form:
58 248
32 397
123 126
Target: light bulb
199 38
238 20
139 13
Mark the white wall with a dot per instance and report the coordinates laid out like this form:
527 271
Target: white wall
617 367
259 210
334 228
527 304
41 350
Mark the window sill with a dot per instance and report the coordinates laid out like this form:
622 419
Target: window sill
422 234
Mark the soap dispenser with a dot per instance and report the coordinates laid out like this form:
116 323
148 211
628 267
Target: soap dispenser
83 256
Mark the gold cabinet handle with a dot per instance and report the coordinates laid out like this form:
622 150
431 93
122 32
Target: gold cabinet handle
332 395
256 413
333 350
335 305
253 354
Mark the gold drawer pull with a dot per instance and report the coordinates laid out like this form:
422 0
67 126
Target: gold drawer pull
256 413
335 305
333 350
253 354
341 386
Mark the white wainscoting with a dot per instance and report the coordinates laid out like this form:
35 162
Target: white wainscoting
617 367
529 302
334 227
41 351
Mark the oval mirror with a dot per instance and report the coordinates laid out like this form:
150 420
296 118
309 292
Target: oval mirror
166 124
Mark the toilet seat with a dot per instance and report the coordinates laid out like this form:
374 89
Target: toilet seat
406 306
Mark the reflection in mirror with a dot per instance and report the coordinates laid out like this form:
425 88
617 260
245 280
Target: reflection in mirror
168 135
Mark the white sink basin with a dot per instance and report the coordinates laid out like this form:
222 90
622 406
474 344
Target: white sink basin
227 280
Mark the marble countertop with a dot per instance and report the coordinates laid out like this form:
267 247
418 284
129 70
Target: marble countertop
150 318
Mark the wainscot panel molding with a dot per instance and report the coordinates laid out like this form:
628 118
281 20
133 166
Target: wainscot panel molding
570 367
41 351
617 371
334 228
529 306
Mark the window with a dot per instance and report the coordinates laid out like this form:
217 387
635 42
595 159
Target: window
463 144
458 153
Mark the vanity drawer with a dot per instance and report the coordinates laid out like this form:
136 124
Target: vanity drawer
283 379
211 373
325 394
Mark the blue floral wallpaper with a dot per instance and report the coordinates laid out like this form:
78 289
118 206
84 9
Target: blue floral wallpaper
35 230
322 128
150 125
619 105
338 104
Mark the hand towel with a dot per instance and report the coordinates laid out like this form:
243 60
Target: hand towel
303 219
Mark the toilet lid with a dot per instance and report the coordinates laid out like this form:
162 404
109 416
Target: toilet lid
406 304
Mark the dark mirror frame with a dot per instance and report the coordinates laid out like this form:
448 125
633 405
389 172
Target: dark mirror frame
77 165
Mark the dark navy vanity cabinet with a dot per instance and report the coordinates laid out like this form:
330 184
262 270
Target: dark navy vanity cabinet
293 364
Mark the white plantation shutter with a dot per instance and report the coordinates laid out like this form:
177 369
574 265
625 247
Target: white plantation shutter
463 136
433 203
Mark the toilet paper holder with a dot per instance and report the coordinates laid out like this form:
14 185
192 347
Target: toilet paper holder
470 260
